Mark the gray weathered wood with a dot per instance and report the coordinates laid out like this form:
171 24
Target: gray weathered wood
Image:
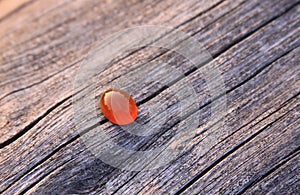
255 45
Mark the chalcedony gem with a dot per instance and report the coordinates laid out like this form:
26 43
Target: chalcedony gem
118 107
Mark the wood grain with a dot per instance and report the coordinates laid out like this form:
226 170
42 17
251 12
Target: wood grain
255 45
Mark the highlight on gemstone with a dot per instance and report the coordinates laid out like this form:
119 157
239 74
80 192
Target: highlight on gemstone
118 107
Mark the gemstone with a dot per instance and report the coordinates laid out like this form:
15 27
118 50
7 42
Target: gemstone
118 107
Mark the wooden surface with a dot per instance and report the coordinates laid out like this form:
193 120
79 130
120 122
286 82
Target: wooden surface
255 45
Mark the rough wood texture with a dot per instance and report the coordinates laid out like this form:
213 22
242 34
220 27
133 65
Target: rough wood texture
255 45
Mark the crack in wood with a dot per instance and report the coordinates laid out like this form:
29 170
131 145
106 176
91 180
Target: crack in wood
131 53
224 49
284 160
231 151
41 81
32 124
66 143
234 88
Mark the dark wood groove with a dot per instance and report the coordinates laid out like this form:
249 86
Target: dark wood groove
186 73
22 132
45 175
208 103
223 50
38 163
41 81
131 53
193 34
96 125
228 91
88 129
240 128
44 160
231 151
284 160
32 124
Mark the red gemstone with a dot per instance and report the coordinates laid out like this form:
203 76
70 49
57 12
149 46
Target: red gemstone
118 107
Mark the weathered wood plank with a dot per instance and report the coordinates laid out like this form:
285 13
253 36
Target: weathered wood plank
55 59
194 162
254 44
283 180
257 158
